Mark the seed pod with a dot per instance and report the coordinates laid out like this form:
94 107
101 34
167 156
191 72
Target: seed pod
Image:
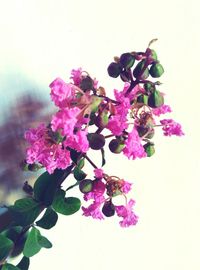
96 141
149 149
156 99
149 87
86 185
116 146
137 71
125 76
153 55
86 83
142 99
108 209
114 70
127 60
101 120
156 70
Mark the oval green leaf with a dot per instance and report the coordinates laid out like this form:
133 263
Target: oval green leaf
24 263
6 246
48 220
9 266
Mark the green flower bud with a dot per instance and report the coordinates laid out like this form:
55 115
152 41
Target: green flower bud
127 60
86 83
149 87
137 71
149 149
156 99
101 120
125 76
142 99
156 70
153 55
86 185
116 146
114 70
108 209
96 141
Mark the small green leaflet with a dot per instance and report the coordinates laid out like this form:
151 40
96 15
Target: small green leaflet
48 220
6 246
24 263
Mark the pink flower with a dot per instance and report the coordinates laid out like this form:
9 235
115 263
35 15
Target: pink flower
35 134
117 124
62 93
98 173
65 120
170 127
78 141
97 191
133 147
76 76
162 110
126 186
126 212
94 210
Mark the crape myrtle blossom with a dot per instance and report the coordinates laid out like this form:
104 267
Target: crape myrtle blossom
170 127
85 116
133 147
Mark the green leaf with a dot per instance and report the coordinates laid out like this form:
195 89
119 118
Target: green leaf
48 220
81 163
19 239
25 211
46 185
44 242
9 266
79 174
65 206
24 263
6 246
35 242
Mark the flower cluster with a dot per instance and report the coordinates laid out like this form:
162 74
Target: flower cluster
128 121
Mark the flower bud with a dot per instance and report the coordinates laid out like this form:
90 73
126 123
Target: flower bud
86 185
116 146
108 209
114 69
156 70
125 76
127 60
101 120
86 83
137 71
142 99
149 149
153 55
96 141
149 87
156 99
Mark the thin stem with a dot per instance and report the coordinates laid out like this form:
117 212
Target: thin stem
109 136
90 161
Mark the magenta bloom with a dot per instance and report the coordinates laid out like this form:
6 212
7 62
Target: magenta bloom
98 173
170 127
133 147
76 76
126 186
62 93
65 120
78 141
35 134
117 124
126 212
45 152
162 110
94 209
97 191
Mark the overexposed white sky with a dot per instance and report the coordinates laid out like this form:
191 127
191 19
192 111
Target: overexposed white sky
41 40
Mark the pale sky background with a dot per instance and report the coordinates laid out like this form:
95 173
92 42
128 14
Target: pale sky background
43 39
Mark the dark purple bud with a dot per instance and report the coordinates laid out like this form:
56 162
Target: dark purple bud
116 146
114 70
108 209
86 185
127 60
96 141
